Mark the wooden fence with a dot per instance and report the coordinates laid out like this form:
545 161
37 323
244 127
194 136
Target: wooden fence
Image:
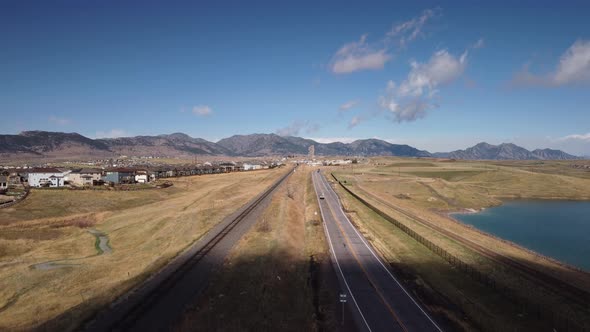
17 200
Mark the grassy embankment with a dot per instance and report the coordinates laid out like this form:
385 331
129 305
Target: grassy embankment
270 281
425 188
145 230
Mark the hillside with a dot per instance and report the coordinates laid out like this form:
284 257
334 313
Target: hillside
505 151
262 145
51 144
272 144
173 145
42 144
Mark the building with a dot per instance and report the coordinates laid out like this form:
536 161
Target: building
14 179
64 171
251 166
45 177
3 182
142 176
119 175
227 167
84 177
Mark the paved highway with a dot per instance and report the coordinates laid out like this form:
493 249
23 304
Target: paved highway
376 298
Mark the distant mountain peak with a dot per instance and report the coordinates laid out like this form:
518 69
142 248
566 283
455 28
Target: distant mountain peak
505 151
176 135
73 145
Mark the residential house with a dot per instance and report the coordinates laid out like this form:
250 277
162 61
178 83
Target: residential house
119 175
227 167
239 167
14 178
171 173
251 166
84 177
160 173
45 177
152 176
207 169
65 171
142 176
3 182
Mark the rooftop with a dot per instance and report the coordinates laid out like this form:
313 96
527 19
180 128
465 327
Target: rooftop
42 170
122 170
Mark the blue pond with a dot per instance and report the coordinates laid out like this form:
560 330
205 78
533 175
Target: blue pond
558 229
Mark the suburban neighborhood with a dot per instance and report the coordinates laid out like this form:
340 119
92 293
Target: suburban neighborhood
128 173
54 177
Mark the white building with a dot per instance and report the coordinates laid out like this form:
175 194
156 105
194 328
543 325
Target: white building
45 177
251 167
142 178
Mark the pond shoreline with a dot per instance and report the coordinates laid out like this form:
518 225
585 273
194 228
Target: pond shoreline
453 216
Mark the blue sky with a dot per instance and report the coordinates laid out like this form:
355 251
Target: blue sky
439 76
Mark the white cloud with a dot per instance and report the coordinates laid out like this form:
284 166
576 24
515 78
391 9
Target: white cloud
357 56
113 133
410 30
480 43
354 122
295 127
411 99
202 110
361 55
574 64
573 67
348 105
292 129
59 121
576 137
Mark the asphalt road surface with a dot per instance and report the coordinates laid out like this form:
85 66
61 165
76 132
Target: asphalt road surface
375 297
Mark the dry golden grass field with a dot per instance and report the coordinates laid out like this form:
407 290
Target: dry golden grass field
52 268
269 281
429 189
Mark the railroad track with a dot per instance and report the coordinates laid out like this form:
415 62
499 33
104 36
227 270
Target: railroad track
572 292
123 316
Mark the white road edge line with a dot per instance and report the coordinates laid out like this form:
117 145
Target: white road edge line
336 259
379 260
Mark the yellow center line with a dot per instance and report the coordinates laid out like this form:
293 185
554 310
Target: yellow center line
347 240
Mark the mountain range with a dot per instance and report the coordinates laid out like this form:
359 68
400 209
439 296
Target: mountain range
43 144
504 151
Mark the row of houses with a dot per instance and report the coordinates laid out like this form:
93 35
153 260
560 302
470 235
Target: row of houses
187 170
9 178
57 177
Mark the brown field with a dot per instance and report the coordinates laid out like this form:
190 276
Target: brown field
428 189
445 291
51 266
269 280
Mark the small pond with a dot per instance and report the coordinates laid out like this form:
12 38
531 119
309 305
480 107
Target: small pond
558 229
